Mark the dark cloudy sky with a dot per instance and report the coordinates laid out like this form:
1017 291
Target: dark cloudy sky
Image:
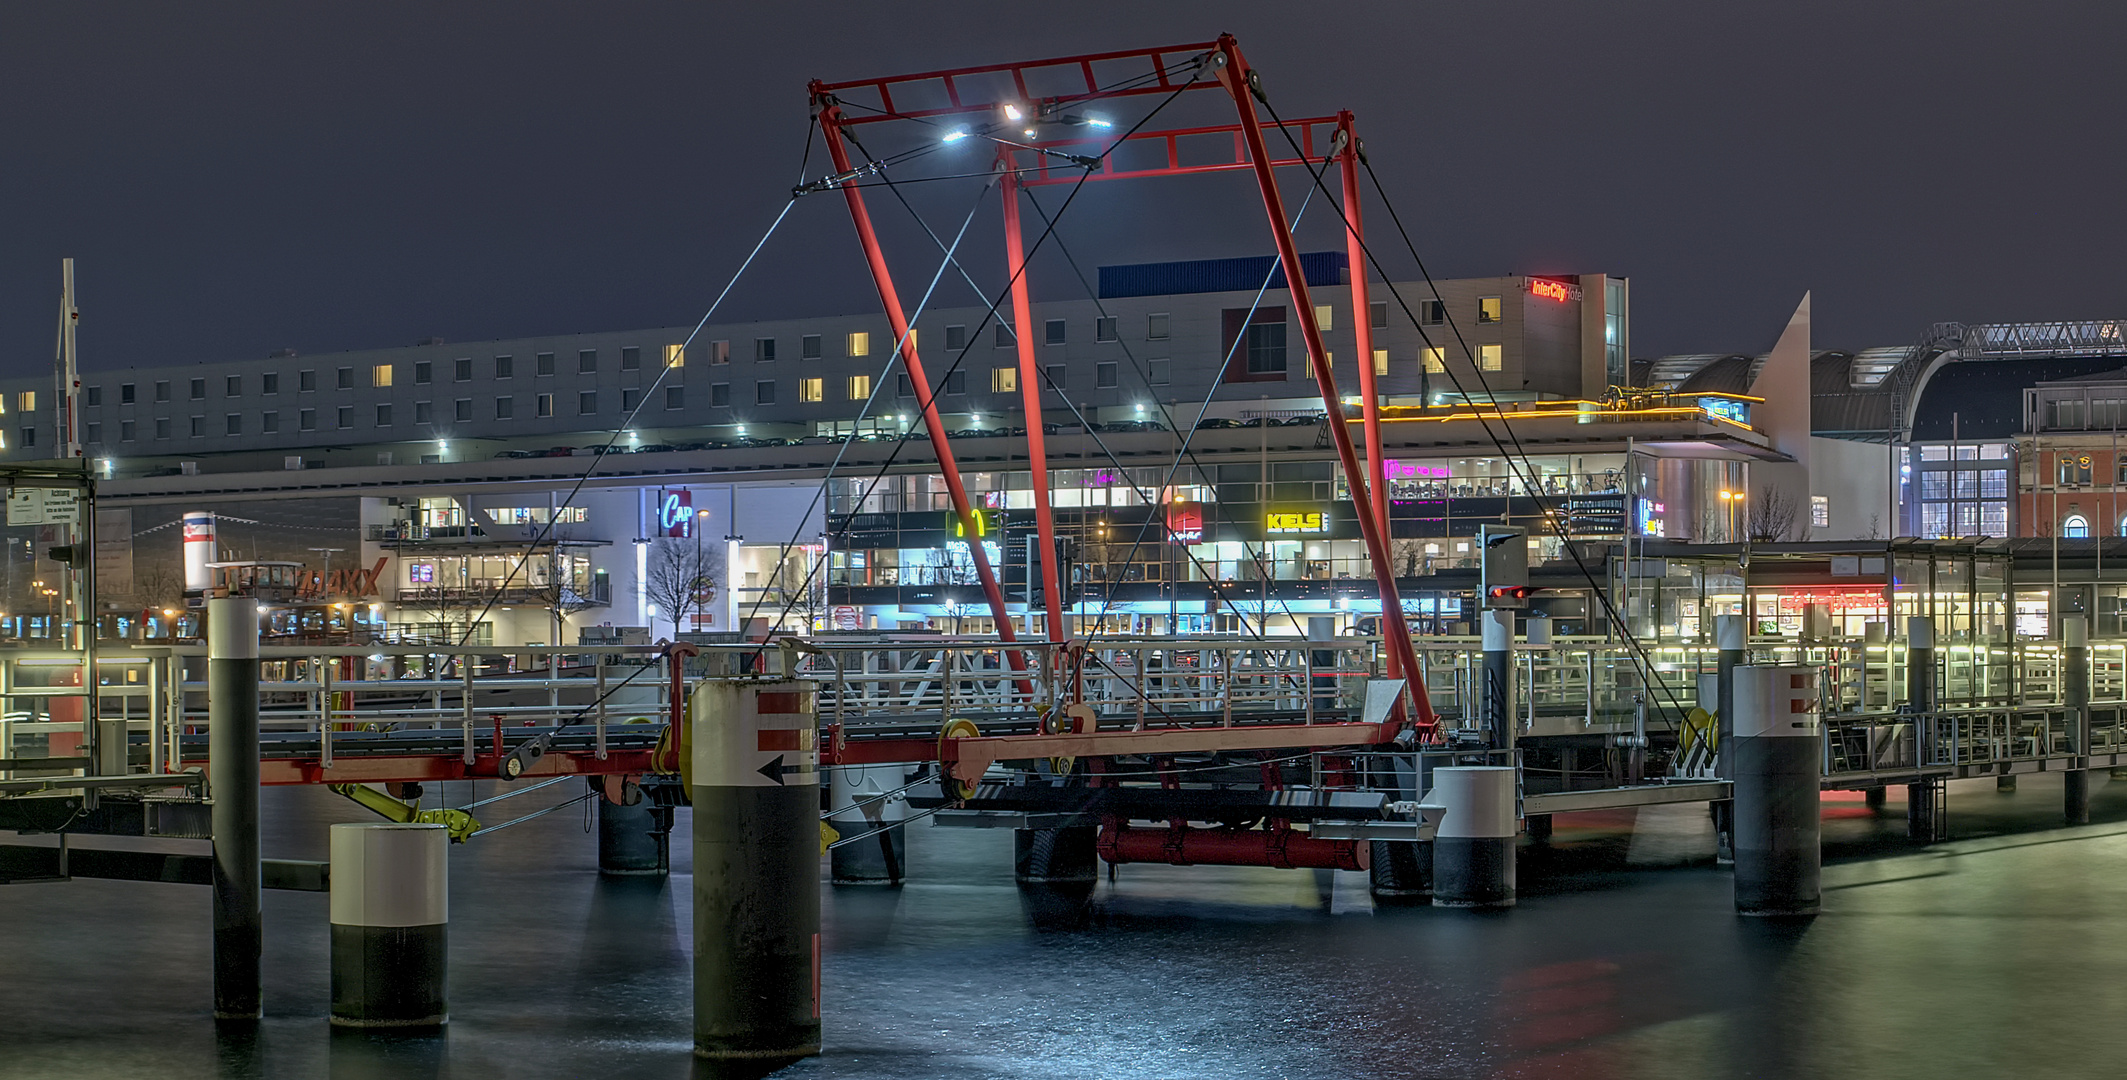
234 178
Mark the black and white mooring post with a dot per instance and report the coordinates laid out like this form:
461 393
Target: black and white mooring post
390 925
1779 754
233 773
634 838
1921 810
756 792
2075 694
1731 642
1473 848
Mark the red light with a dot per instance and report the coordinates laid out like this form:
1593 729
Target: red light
1550 290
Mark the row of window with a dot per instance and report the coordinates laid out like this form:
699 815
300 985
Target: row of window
505 408
380 375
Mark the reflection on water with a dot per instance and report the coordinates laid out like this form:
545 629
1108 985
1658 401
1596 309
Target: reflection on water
1991 955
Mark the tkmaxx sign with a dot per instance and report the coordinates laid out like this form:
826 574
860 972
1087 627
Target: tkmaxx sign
675 513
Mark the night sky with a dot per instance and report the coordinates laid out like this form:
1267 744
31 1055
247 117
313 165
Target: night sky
234 178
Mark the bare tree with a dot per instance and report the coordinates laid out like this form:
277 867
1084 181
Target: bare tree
680 579
158 584
1408 557
1773 516
1875 527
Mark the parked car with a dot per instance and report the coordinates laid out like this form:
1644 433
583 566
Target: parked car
1311 420
512 454
1212 423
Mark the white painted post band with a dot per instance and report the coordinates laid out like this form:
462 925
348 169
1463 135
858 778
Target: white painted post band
232 628
774 742
386 874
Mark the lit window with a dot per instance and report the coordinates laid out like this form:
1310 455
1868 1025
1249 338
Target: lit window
859 387
27 401
1488 356
860 343
1323 314
2075 527
381 375
1435 359
1380 361
1004 380
1820 511
675 356
1488 309
812 389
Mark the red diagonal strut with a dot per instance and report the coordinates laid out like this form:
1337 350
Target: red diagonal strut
934 425
1239 81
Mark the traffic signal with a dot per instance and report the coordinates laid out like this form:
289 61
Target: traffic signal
1503 566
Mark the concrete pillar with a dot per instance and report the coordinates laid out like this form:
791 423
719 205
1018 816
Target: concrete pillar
1875 797
390 925
633 841
1921 813
1731 642
2005 782
1056 856
233 770
2075 694
756 871
1401 872
858 796
1495 700
1778 760
2075 796
1473 848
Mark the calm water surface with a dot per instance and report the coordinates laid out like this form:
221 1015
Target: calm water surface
2000 953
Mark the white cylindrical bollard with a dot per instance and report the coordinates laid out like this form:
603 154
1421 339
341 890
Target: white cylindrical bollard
1473 848
390 917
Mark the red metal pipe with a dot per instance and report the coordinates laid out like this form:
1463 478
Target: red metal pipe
1363 345
1235 75
934 425
1015 260
1285 849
